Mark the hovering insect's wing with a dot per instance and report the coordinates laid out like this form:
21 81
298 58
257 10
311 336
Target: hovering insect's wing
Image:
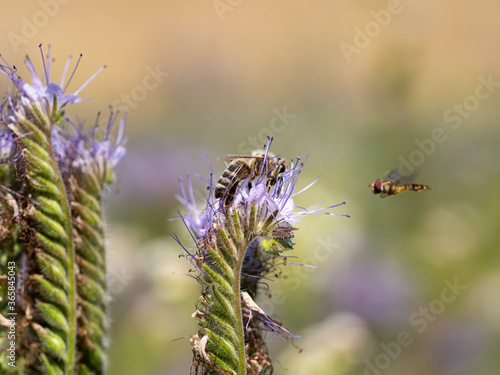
396 175
231 157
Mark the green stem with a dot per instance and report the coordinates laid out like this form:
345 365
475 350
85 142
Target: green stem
240 332
85 197
51 248
70 364
219 345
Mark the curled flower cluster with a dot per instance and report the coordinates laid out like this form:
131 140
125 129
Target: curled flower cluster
52 176
78 149
237 247
44 98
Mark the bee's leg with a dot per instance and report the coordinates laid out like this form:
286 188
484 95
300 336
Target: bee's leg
230 193
271 181
228 201
280 184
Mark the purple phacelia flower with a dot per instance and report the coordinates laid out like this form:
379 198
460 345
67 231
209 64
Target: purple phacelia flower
7 146
41 94
42 101
197 219
276 202
79 149
41 88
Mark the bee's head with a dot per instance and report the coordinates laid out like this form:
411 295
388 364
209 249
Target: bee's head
256 163
277 166
376 186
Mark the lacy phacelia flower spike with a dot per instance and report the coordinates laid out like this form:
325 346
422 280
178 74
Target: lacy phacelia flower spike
237 246
52 176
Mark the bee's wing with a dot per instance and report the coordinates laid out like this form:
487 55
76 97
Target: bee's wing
231 157
396 175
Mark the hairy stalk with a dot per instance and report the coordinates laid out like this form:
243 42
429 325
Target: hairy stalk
237 303
220 344
49 245
85 195
221 337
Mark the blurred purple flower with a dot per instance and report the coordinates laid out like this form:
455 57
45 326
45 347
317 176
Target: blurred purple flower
378 291
151 169
458 347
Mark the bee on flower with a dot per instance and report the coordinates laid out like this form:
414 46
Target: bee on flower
242 231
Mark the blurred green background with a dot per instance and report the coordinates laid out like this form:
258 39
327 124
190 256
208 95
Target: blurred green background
224 71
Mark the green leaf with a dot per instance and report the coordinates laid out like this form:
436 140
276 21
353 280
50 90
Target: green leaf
91 290
53 316
50 368
50 341
52 269
51 293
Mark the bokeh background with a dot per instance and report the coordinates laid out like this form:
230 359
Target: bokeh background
215 76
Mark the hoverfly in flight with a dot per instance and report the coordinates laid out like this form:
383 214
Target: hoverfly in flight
394 184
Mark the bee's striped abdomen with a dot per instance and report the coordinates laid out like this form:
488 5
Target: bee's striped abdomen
230 179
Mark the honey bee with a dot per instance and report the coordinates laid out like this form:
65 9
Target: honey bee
394 184
248 167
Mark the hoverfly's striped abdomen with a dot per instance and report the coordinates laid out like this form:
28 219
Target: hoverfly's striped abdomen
416 187
394 187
